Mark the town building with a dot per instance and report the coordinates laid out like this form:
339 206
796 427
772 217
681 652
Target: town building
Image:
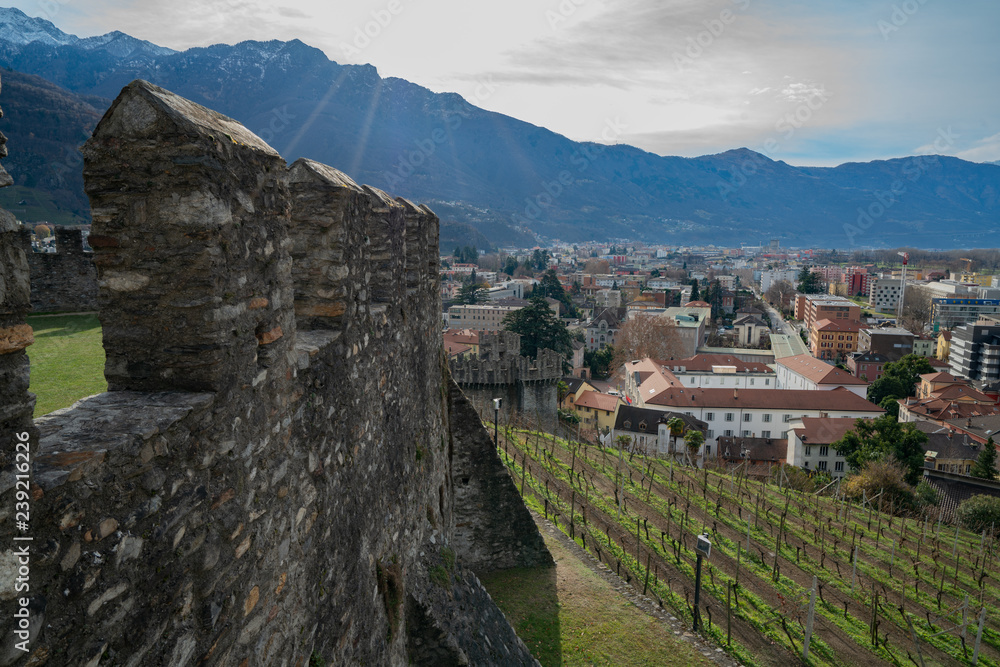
764 413
947 450
943 346
759 454
894 343
596 410
649 431
749 328
712 370
975 351
811 308
479 317
953 312
602 330
925 346
771 276
867 365
834 340
884 294
810 444
805 372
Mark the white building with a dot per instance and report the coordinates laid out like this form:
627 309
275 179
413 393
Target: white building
806 372
883 293
738 412
771 276
810 445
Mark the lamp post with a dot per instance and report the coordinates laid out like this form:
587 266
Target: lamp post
704 549
496 421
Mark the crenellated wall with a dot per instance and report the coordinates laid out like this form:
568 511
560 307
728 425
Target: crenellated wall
64 280
271 478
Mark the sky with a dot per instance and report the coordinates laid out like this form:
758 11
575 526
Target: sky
810 83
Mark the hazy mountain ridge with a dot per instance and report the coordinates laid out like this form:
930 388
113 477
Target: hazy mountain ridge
507 177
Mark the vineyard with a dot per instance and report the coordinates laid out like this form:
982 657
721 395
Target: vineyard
884 589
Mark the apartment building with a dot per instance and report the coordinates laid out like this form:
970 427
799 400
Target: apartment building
884 294
894 343
953 312
817 307
975 351
834 340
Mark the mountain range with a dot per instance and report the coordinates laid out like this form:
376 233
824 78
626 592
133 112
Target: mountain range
490 177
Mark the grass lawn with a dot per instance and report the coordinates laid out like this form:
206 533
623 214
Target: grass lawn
568 615
67 360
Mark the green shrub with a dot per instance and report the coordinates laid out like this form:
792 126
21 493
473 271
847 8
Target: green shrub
926 496
887 477
979 513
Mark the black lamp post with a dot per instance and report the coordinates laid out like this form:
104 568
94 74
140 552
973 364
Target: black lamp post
496 421
704 550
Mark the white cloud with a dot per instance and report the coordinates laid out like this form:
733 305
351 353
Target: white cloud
985 150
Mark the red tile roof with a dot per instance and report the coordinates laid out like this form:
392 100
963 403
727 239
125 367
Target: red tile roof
818 371
839 399
940 376
824 430
847 326
598 401
705 362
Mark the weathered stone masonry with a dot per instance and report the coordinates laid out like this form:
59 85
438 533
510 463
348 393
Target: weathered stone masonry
64 280
272 475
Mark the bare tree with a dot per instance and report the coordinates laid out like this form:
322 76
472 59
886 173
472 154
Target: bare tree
644 336
916 310
780 294
596 266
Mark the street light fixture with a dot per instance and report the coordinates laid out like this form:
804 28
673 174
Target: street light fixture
496 421
704 550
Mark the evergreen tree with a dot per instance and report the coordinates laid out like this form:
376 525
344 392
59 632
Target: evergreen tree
695 294
809 282
539 328
985 466
881 439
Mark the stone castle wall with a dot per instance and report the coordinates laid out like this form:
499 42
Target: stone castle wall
65 280
278 470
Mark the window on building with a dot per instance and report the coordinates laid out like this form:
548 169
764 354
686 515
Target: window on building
824 450
709 434
729 416
765 434
838 466
809 450
821 465
709 416
787 418
746 434
728 433
751 381
747 417
766 418
708 449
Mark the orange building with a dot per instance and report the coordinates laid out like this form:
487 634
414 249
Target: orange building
818 307
834 340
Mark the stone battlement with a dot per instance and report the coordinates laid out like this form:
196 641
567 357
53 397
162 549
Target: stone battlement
282 469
